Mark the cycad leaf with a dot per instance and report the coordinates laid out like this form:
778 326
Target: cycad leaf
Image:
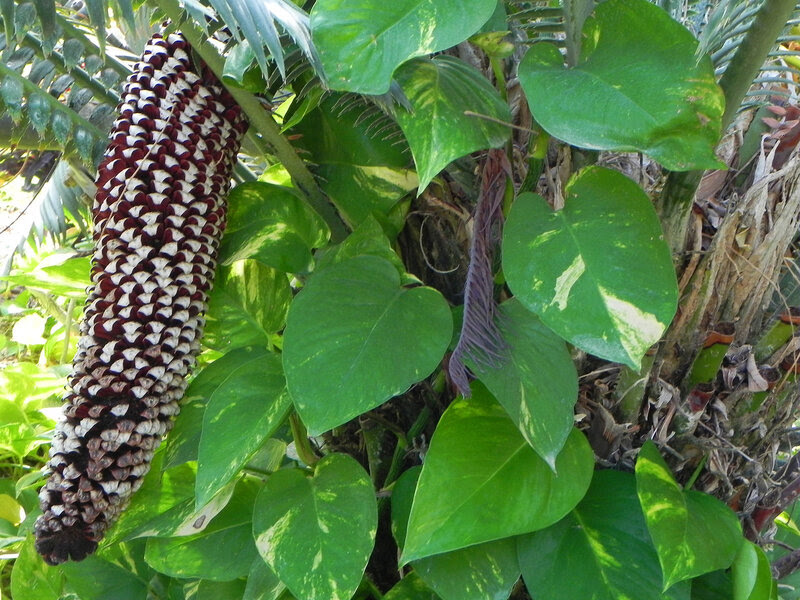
255 22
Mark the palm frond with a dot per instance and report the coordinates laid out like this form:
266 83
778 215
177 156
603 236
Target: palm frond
255 21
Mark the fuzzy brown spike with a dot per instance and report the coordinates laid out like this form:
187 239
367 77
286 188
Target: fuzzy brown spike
159 214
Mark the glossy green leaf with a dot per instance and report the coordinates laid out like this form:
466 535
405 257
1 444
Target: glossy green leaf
343 329
317 532
362 42
537 384
31 579
248 302
262 583
597 272
98 579
272 225
440 91
605 541
411 587
220 590
752 578
242 412
482 481
693 533
222 552
362 166
482 572
183 441
487 571
630 49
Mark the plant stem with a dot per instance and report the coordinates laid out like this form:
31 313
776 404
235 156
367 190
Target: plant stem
261 121
67 330
675 200
301 443
760 38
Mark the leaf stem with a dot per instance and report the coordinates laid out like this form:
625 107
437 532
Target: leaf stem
260 120
301 443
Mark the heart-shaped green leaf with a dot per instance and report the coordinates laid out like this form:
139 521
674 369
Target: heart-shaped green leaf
345 328
638 85
537 384
482 481
317 533
262 583
222 552
604 540
362 42
694 533
270 224
248 302
440 91
242 412
597 272
483 572
98 579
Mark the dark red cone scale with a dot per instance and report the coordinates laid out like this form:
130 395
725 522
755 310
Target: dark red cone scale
158 215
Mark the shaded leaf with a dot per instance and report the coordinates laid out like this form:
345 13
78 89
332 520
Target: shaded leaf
98 579
362 167
605 540
597 272
342 329
222 552
262 583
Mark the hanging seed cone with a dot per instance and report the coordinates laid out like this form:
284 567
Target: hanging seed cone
158 215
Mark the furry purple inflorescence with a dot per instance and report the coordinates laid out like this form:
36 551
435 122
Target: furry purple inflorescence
159 214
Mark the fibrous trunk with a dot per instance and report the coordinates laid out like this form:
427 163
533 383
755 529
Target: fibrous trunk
158 215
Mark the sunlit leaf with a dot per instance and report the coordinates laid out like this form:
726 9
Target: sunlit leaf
242 412
608 101
693 533
597 272
441 90
362 42
317 533
482 481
